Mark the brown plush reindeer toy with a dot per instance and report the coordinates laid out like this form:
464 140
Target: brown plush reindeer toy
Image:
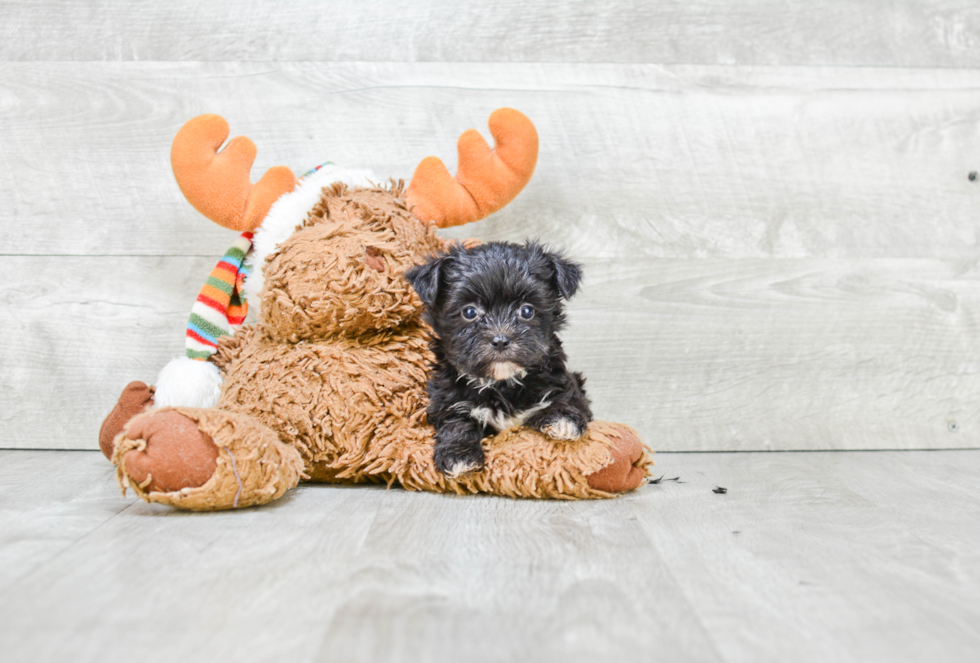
329 384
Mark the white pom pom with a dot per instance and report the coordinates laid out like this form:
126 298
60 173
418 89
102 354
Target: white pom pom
188 383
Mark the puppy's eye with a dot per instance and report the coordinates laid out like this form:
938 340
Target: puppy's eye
527 312
470 313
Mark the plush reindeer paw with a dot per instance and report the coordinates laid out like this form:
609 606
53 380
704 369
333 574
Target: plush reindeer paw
628 467
176 454
204 459
134 399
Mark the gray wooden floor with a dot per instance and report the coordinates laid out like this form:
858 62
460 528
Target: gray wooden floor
810 556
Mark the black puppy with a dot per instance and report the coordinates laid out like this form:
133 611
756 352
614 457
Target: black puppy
495 311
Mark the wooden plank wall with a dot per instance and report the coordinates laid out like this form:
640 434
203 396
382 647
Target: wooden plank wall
771 199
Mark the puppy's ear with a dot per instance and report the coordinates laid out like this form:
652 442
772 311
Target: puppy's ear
568 274
425 279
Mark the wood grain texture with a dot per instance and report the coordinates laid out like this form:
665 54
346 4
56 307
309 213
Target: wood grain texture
681 162
696 354
938 33
783 354
772 200
809 557
77 330
48 502
835 556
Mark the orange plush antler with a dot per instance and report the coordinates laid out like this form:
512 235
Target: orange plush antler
218 184
486 179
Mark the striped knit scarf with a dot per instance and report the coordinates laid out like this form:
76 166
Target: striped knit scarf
220 309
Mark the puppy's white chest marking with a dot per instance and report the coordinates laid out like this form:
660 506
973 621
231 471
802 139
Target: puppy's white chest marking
500 421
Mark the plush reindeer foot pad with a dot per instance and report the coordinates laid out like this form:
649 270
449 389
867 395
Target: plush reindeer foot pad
204 459
175 454
629 466
135 398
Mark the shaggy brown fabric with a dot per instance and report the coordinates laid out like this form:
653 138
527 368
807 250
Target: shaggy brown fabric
356 411
135 398
252 466
336 400
325 279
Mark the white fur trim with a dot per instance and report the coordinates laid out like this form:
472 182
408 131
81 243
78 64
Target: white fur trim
287 213
188 382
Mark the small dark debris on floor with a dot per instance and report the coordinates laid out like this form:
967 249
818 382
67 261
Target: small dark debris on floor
719 490
661 478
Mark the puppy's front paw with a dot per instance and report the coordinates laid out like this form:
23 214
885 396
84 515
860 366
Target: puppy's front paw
454 462
562 427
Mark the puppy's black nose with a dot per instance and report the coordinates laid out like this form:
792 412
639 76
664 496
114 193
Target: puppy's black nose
500 342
